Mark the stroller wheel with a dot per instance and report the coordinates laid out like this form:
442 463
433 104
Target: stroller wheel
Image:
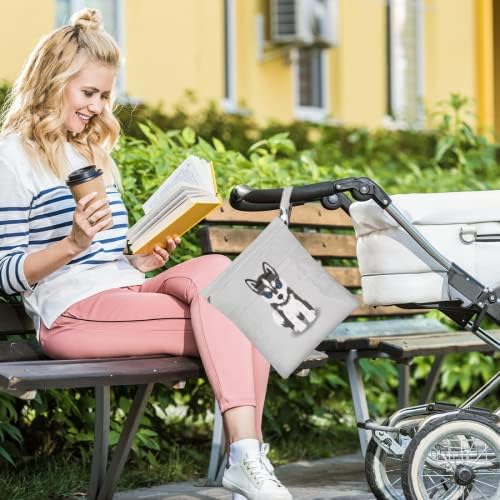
383 473
383 470
454 457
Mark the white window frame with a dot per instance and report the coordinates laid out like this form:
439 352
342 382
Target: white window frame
76 5
310 113
398 98
229 101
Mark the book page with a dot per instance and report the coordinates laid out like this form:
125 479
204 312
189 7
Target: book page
193 171
179 196
149 215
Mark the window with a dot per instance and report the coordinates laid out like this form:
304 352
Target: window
310 84
405 64
229 101
112 19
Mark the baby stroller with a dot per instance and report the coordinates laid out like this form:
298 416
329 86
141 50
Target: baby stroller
439 450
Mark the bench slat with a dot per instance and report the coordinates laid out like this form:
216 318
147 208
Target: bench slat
369 311
20 376
234 241
346 276
13 319
387 327
410 345
445 343
353 334
61 374
20 350
314 360
312 214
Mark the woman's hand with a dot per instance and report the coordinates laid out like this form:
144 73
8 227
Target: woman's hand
157 258
89 218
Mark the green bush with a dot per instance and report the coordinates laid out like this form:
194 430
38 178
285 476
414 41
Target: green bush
451 142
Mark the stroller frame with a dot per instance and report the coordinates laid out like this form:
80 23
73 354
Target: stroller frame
470 301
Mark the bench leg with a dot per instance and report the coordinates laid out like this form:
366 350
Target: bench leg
432 380
404 385
358 397
101 425
218 456
125 443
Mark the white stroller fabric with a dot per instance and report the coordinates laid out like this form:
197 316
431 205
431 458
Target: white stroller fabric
396 270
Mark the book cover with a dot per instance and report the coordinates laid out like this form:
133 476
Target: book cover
195 213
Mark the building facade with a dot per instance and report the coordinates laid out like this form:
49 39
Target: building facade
354 62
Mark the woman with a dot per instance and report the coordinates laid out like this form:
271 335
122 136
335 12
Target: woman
87 298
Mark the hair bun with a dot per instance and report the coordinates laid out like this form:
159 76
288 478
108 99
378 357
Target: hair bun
88 19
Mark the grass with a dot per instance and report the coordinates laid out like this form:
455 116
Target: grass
59 478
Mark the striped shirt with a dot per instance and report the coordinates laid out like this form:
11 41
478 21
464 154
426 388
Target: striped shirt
36 209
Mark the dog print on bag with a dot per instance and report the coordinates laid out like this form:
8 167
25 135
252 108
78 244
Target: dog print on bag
289 310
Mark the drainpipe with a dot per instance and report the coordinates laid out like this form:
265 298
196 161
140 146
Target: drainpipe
484 66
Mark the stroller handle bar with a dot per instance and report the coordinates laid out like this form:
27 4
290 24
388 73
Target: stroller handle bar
331 194
255 200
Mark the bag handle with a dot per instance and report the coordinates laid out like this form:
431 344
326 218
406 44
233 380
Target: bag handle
285 206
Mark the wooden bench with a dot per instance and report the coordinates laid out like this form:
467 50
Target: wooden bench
387 332
24 369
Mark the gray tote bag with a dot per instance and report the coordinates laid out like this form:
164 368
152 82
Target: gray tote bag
279 296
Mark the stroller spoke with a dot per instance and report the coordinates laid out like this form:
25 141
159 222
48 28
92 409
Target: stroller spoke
441 483
482 482
486 447
480 492
396 481
438 475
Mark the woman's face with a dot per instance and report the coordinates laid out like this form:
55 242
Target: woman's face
86 95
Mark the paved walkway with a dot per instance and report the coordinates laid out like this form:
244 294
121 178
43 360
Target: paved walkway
333 478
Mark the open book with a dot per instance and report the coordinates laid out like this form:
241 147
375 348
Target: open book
184 199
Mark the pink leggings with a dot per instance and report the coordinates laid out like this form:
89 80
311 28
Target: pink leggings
166 315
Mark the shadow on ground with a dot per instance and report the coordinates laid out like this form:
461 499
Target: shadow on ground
339 478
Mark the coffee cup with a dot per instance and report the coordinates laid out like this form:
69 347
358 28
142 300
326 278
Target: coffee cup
87 180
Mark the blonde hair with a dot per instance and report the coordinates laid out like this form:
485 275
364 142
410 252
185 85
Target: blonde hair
35 107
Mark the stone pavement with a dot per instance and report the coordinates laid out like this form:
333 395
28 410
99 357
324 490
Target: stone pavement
339 478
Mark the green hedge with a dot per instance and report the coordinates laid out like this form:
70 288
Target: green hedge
451 142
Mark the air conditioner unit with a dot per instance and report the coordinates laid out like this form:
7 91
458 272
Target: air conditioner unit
304 22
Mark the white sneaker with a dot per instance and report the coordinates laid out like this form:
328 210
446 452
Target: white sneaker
237 496
251 478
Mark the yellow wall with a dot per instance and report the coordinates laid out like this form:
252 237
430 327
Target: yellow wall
358 66
181 46
27 22
172 46
496 62
264 87
449 50
485 73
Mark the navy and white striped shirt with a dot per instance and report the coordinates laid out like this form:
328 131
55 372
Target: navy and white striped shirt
36 209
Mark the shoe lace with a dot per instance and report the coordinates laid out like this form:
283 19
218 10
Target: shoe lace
258 470
263 456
